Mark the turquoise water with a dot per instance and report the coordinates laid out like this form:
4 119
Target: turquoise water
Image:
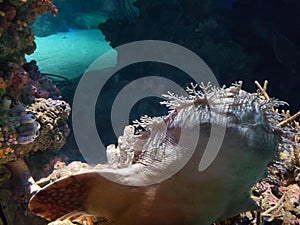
46 123
70 53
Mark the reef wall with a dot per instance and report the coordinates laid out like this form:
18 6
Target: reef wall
32 114
30 103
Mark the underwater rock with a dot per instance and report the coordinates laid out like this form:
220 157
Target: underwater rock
126 193
243 43
89 20
46 24
16 213
14 195
193 24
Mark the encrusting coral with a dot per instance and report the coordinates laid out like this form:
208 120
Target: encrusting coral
142 183
17 127
39 85
31 123
16 39
52 115
21 84
24 91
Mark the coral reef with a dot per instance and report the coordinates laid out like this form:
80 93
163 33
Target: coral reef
6 155
42 125
21 108
30 110
41 86
278 194
16 39
18 127
25 94
151 147
52 115
28 129
33 117
19 78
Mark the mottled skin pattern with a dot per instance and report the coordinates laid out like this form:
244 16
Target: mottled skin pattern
189 196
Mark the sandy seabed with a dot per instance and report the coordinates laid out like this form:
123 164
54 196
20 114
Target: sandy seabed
69 54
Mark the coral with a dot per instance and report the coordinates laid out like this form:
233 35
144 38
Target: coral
19 78
20 126
27 82
28 130
2 87
16 39
52 116
17 126
6 155
2 83
122 155
62 170
43 125
41 83
20 85
18 130
38 85
13 118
